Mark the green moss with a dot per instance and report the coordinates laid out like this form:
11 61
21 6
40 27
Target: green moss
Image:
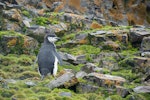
82 49
28 74
126 73
115 97
26 13
15 45
24 60
41 21
70 66
138 97
6 93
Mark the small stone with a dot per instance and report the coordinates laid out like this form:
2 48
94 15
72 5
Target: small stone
30 83
67 94
81 74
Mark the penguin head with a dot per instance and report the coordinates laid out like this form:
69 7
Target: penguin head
51 38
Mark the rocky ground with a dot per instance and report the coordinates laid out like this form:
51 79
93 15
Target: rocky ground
106 55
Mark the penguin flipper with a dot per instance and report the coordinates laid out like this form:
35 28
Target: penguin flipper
59 58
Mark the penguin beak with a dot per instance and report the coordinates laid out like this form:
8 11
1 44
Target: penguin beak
57 38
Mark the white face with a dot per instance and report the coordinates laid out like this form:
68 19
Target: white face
52 39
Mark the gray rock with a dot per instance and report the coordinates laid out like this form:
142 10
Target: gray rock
104 80
145 45
26 45
123 92
81 38
67 57
145 54
63 81
142 89
2 5
137 34
90 67
81 59
66 94
12 26
30 83
10 81
86 88
61 27
80 74
141 64
55 5
13 14
26 23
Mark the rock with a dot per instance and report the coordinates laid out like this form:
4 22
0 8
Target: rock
110 45
55 5
97 37
13 14
66 94
67 57
141 64
66 80
37 32
30 83
70 44
10 81
80 74
104 80
145 54
123 92
61 27
2 5
11 26
137 34
145 45
90 67
105 55
17 43
26 23
76 21
86 88
81 59
142 89
81 38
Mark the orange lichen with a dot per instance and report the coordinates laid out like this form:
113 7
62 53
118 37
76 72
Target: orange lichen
96 25
83 41
76 5
108 82
12 42
60 6
116 14
97 2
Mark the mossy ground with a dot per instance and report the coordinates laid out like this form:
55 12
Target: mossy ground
20 68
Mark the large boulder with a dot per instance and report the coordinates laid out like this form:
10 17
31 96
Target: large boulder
12 42
145 45
13 14
137 34
142 65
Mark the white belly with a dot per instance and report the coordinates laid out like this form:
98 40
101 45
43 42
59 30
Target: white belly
55 66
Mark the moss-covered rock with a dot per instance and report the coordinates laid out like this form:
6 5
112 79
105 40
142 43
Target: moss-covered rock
13 42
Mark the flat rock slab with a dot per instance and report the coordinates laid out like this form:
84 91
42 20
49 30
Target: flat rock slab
66 80
142 89
104 80
137 34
